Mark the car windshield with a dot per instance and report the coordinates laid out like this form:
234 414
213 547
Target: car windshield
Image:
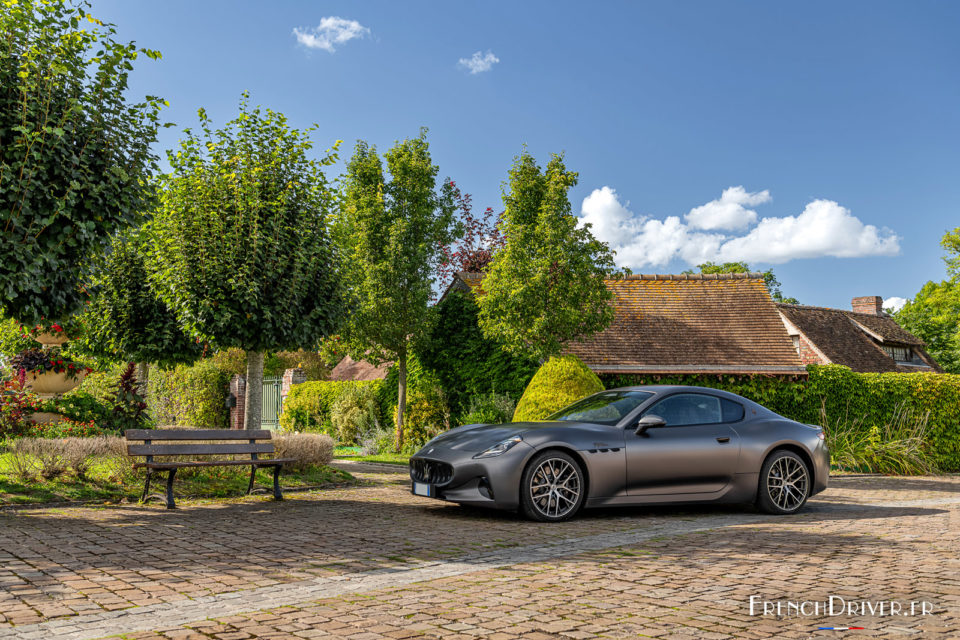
606 407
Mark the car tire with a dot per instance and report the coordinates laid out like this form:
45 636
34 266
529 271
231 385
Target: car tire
553 487
785 483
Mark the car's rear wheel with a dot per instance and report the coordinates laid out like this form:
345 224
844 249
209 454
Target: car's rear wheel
784 483
553 487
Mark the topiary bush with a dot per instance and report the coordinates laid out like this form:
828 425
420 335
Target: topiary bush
189 396
307 407
559 382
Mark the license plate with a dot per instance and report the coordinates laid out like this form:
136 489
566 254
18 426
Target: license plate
421 489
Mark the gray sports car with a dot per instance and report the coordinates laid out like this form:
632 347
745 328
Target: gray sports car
629 446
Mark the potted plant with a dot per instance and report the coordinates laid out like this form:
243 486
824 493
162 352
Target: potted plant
53 333
47 372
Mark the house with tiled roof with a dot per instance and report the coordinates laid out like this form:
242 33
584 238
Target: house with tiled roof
692 324
350 369
863 338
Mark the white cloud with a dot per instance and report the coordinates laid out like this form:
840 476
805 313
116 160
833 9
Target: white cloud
479 62
822 229
330 32
728 212
894 303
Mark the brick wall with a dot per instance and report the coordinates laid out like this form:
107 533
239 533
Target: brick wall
807 353
238 387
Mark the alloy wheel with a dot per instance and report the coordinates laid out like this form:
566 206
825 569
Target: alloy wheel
788 483
555 488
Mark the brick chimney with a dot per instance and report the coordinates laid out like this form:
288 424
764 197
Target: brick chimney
868 304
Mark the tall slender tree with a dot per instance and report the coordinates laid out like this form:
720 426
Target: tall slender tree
241 244
392 227
545 287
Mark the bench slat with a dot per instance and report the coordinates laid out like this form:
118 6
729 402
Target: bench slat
197 434
216 463
196 449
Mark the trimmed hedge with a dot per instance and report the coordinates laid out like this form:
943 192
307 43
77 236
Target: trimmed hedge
559 382
844 393
307 407
189 396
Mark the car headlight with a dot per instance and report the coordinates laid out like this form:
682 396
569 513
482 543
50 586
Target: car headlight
500 448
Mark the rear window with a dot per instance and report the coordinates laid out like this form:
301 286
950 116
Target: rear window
732 411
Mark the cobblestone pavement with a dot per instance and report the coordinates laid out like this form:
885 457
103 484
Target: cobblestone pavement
375 562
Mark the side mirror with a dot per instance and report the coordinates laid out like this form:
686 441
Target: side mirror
649 421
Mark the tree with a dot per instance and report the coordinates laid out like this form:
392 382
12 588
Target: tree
75 159
242 251
126 319
773 285
933 315
391 229
481 240
545 287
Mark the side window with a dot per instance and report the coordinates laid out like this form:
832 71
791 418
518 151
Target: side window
688 408
732 411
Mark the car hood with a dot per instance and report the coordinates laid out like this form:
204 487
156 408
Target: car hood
480 437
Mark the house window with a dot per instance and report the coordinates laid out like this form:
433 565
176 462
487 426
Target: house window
900 354
796 343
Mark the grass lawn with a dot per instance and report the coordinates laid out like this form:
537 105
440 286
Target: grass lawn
111 480
353 453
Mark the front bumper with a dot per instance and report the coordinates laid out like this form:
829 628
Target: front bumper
456 476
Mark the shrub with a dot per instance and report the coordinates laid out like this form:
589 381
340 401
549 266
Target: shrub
128 405
80 453
490 408
898 446
16 407
80 406
65 428
873 396
465 362
355 414
48 453
190 396
307 407
100 384
308 449
428 415
559 382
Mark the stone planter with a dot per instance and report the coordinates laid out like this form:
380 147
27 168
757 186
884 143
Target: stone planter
45 417
51 339
49 384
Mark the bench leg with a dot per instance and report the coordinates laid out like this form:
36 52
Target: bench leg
253 475
146 487
277 495
170 503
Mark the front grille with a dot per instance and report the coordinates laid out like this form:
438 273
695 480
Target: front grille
430 471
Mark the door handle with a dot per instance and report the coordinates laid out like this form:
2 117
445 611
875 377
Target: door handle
723 439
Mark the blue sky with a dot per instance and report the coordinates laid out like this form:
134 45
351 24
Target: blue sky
840 121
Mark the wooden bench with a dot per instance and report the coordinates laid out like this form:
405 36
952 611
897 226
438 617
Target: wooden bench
198 443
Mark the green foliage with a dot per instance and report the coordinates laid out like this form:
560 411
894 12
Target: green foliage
545 287
16 407
466 363
898 446
871 397
559 382
75 157
126 320
951 242
428 415
355 414
242 252
933 315
80 406
308 405
12 340
100 384
189 396
773 285
234 362
490 408
129 409
391 231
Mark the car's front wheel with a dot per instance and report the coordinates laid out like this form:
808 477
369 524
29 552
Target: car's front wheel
552 488
784 483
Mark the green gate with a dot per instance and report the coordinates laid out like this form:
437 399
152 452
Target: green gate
272 403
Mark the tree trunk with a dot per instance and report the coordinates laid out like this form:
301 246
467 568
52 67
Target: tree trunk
143 377
253 399
401 400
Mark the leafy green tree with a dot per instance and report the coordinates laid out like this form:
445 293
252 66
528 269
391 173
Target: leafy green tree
933 315
545 287
773 285
75 158
242 251
126 319
392 229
